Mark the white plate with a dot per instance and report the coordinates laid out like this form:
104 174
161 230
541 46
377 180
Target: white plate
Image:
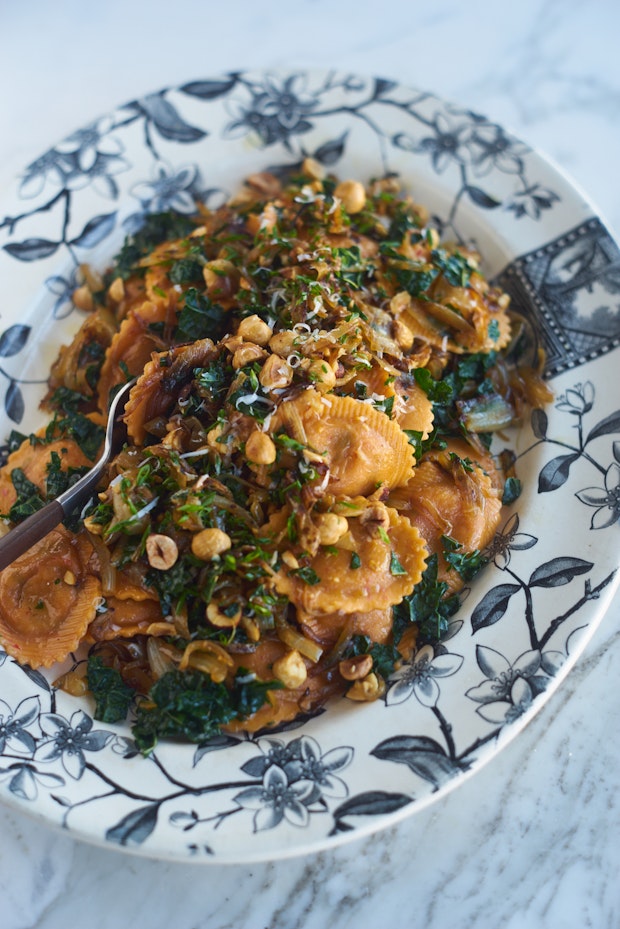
352 769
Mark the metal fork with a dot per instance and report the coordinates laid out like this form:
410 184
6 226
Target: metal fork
32 529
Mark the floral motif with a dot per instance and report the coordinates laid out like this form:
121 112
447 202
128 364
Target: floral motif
62 288
532 201
509 689
508 540
276 109
24 780
606 499
91 156
69 739
277 799
577 400
420 676
270 783
13 726
493 150
170 189
448 143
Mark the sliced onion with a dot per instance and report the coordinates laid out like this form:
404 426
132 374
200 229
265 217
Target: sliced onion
485 414
296 640
106 568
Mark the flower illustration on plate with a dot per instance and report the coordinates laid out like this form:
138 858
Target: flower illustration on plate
605 499
13 725
302 760
49 167
91 143
493 150
577 400
170 189
508 540
509 689
294 777
89 156
532 201
278 797
448 144
62 289
275 110
419 678
69 739
24 780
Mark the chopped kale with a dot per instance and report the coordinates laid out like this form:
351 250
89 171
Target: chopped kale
512 490
59 480
353 270
356 561
174 585
157 228
384 656
415 280
112 696
200 318
455 268
396 568
307 574
185 271
88 435
15 440
466 564
29 498
67 400
189 705
428 607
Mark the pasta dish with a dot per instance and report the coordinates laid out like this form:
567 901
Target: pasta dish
307 481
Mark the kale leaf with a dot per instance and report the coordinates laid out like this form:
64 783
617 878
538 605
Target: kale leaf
189 705
157 228
200 318
112 695
427 606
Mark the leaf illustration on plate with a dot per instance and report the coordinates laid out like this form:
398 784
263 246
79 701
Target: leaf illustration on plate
13 340
493 606
210 90
134 828
369 803
216 744
606 426
539 422
36 677
330 152
31 249
480 198
14 402
183 820
382 86
555 472
167 121
95 230
422 755
559 571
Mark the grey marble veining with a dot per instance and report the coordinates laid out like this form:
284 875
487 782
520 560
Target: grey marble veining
531 841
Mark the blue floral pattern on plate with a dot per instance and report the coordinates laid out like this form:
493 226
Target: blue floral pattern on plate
525 620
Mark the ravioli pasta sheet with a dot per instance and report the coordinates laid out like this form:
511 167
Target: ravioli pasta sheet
306 483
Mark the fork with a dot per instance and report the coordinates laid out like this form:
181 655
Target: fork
32 529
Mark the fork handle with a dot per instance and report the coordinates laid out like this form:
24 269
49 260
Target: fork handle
31 530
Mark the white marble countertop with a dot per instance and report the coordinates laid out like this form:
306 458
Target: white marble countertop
531 840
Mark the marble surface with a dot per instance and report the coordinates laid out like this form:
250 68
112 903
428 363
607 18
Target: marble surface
531 840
